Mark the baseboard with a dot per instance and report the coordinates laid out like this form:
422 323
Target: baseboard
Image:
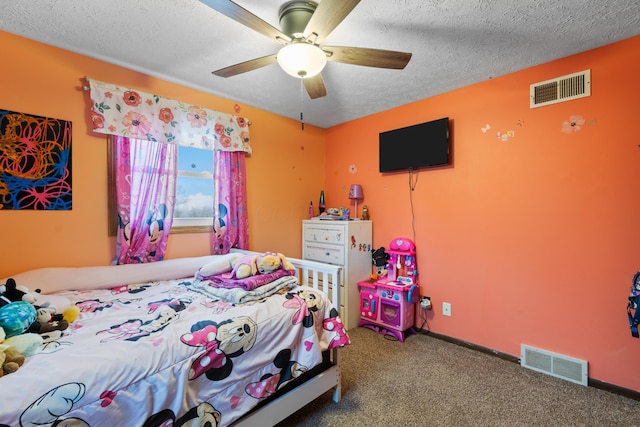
473 346
612 388
626 392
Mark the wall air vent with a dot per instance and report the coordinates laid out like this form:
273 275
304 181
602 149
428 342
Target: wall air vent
565 88
556 365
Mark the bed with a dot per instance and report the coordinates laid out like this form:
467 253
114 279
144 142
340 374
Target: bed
153 347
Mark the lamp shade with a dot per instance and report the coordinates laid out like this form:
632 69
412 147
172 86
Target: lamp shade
302 59
355 192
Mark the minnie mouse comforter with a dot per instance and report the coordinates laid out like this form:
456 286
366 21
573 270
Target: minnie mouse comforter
163 353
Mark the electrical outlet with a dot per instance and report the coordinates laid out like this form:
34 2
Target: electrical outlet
425 303
446 309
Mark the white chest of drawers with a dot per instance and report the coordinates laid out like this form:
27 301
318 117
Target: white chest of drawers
343 243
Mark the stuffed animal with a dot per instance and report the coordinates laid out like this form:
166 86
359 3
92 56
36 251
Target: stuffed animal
47 320
20 315
245 266
250 265
70 314
271 261
44 321
26 344
10 361
17 312
10 358
16 308
16 317
380 258
12 293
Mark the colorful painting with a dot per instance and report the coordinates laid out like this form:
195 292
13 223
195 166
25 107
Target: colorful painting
35 162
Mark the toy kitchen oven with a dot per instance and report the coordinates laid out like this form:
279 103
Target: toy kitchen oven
387 305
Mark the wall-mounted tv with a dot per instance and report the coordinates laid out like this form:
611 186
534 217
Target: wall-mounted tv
424 145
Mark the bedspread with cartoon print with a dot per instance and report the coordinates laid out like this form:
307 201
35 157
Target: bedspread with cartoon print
159 353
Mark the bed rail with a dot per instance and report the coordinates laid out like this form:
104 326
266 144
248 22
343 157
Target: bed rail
323 277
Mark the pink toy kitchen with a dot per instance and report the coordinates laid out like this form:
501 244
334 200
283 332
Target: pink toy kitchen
387 304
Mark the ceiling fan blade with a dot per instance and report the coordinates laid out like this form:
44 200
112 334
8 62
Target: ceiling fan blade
246 18
367 57
243 67
315 86
326 17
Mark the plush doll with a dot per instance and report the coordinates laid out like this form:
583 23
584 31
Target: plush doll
10 358
44 321
245 266
12 293
16 308
17 312
250 265
47 320
379 257
70 314
26 344
16 317
271 261
10 361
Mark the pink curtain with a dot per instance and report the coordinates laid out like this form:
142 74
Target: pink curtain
230 218
146 185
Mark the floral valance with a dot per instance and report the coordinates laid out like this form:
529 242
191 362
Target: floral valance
128 112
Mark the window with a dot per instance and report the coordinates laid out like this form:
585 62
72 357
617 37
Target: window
194 193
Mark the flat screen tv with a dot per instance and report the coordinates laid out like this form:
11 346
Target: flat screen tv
424 145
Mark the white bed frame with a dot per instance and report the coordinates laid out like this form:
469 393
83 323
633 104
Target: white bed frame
321 277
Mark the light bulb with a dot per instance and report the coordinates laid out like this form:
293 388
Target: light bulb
302 60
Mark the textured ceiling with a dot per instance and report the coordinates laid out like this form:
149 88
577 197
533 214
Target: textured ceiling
454 43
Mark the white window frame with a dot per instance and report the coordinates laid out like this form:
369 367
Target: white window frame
187 225
179 226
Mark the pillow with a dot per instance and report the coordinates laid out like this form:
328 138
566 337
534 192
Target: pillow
219 265
54 279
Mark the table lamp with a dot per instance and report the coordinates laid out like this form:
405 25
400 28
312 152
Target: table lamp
355 193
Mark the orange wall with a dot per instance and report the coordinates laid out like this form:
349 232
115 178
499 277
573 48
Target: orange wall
283 173
532 240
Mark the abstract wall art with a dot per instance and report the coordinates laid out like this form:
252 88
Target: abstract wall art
35 162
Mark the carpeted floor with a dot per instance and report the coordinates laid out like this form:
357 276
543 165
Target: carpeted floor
426 381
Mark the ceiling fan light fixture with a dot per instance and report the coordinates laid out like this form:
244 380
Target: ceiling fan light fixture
302 60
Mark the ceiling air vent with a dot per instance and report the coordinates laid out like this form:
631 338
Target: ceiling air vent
561 89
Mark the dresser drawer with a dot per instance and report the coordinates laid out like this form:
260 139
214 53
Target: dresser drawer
323 253
324 234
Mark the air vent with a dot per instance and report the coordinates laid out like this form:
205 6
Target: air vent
556 365
565 88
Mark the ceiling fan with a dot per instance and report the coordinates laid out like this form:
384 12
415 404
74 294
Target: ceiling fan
305 24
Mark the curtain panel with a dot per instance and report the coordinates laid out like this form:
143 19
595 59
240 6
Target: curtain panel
230 217
135 114
146 174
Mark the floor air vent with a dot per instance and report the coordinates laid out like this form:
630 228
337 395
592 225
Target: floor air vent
557 365
561 89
